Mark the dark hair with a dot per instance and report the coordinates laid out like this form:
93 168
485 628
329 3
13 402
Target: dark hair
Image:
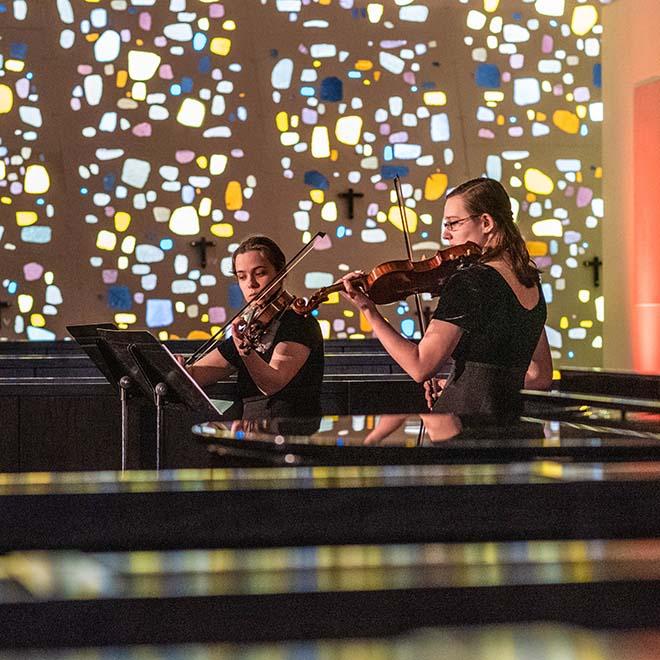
268 247
485 195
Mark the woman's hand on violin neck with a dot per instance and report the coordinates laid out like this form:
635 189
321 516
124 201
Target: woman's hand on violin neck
354 295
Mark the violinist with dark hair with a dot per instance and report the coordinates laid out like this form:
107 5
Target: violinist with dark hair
281 375
490 315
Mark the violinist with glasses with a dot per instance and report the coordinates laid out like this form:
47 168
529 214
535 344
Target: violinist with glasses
279 375
490 315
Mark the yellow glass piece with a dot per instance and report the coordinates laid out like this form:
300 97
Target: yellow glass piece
203 24
163 335
349 129
217 164
317 195
204 318
180 306
333 298
128 244
563 322
364 65
426 218
37 320
220 45
198 334
295 120
25 302
566 121
435 98
202 162
122 220
205 207
500 120
282 121
556 374
394 216
6 200
365 326
6 99
374 12
15 65
491 5
583 19
233 196
537 248
125 317
26 218
599 303
37 180
550 227
122 78
435 186
3 170
316 64
538 182
325 2
381 216
584 295
376 78
349 313
229 25
139 91
329 211
587 324
494 97
191 113
222 230
598 174
530 197
334 154
320 142
581 111
49 278
106 240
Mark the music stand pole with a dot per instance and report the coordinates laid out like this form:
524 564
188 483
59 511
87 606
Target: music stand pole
125 384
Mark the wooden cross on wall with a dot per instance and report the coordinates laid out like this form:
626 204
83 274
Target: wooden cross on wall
595 264
350 195
201 244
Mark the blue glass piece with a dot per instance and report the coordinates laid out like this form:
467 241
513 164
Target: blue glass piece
166 244
159 313
517 16
307 91
12 288
3 8
36 234
332 89
354 74
175 89
109 182
199 41
235 296
204 65
18 50
408 327
597 75
428 84
388 152
119 297
390 171
316 180
487 75
186 84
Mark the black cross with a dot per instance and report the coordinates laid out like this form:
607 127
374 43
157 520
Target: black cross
595 263
350 196
202 244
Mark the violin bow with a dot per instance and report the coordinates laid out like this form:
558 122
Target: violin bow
209 344
418 300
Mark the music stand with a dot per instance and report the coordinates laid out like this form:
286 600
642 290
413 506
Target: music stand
117 372
161 377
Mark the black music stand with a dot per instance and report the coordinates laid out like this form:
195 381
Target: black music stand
160 377
117 372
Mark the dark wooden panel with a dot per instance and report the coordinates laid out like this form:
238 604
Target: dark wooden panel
9 434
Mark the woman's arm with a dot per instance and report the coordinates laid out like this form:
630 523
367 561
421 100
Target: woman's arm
539 372
210 369
285 362
419 361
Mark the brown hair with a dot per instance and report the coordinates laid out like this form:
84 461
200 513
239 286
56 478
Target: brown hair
485 195
268 248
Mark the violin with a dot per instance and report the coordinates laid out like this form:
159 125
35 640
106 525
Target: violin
257 317
392 281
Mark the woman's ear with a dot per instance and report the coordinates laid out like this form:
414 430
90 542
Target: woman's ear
487 223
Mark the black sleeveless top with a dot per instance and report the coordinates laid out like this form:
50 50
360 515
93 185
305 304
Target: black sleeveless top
498 341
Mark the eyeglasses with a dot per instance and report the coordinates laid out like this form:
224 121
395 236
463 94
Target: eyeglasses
451 225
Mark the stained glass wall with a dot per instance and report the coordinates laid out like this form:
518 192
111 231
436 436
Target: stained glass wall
132 128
